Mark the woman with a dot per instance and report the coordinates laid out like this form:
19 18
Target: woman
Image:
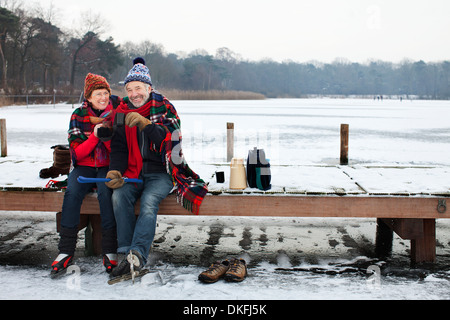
90 158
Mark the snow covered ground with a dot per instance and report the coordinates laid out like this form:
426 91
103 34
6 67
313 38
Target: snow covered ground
288 259
394 147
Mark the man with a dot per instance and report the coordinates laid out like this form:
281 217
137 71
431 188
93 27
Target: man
147 146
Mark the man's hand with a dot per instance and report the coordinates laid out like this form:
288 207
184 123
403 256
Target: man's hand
133 119
116 179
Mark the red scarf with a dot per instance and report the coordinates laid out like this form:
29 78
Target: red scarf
191 189
134 154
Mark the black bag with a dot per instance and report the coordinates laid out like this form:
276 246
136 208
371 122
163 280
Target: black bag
258 170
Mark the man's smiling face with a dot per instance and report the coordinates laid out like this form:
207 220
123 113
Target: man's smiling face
138 93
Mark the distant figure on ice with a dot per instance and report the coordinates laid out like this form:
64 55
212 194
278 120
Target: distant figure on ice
147 145
90 158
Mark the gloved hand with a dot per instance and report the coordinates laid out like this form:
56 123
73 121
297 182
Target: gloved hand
116 179
133 119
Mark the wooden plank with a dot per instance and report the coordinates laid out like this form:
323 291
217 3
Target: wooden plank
249 205
322 206
31 201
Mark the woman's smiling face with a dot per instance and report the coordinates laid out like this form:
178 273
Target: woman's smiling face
99 99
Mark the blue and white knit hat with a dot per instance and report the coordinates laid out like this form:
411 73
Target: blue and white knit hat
139 72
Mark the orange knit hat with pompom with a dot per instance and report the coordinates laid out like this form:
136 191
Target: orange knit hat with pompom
95 82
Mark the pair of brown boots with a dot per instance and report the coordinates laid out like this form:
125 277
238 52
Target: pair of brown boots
233 270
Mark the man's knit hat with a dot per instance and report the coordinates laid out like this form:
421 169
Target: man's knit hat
139 72
94 82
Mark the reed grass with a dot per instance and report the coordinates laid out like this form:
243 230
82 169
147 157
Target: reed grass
177 94
4 101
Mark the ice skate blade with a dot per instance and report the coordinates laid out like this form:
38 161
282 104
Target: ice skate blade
128 277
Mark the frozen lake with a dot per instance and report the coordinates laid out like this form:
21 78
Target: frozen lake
289 259
307 131
292 131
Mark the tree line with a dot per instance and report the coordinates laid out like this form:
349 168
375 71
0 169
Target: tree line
36 56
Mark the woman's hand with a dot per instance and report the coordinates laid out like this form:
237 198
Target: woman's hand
96 129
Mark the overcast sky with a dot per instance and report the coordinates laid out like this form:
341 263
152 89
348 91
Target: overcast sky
321 30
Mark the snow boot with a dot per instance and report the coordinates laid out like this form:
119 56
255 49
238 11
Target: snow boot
132 262
237 271
61 163
215 272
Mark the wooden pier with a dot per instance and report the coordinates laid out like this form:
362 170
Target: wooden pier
411 217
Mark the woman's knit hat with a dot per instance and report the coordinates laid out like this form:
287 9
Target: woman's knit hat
94 82
139 72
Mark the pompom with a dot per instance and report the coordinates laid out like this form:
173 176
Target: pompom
139 60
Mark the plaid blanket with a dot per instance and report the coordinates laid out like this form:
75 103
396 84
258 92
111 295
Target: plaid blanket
190 189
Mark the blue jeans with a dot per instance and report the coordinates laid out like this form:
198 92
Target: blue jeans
137 234
75 193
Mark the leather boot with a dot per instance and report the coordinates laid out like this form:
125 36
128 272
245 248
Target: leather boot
61 163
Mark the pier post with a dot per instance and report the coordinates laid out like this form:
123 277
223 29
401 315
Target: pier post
383 240
4 149
423 249
230 141
344 144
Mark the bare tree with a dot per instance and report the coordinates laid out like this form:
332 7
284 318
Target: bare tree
8 23
86 31
89 21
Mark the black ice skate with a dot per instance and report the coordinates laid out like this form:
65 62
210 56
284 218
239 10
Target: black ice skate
130 268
